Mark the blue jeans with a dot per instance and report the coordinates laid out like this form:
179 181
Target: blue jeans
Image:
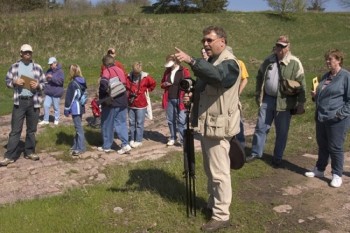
267 114
107 127
25 110
113 119
330 136
49 100
121 125
176 119
79 138
136 123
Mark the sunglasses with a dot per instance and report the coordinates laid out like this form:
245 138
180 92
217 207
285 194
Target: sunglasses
209 40
25 52
281 46
110 52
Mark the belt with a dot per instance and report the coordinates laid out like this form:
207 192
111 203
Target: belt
25 97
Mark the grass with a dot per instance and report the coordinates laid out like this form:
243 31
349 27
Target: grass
152 193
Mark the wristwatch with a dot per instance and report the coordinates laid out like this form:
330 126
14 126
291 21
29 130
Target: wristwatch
192 62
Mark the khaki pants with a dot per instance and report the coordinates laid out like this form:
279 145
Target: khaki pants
216 163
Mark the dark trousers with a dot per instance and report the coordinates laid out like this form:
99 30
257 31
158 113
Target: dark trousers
330 137
25 110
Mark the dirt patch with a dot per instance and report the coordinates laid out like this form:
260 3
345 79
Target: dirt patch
300 204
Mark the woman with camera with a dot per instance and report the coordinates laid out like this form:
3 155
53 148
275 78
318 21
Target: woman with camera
138 83
172 100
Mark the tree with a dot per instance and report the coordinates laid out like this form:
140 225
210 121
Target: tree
13 6
211 6
208 6
285 6
316 5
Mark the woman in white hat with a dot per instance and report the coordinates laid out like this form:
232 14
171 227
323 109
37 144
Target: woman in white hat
172 100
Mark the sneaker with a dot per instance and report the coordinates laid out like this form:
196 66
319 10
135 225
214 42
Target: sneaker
56 122
124 150
33 157
314 173
336 181
104 150
43 123
132 143
214 225
76 153
171 142
251 158
136 144
179 142
6 161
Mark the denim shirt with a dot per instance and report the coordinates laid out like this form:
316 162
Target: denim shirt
333 101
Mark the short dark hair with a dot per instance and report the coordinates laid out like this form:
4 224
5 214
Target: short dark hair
108 60
218 30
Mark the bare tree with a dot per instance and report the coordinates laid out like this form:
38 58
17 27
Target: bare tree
316 5
284 6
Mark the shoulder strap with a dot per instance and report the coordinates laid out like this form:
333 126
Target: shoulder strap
279 69
77 84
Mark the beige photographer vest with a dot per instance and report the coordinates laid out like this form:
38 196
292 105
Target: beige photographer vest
219 112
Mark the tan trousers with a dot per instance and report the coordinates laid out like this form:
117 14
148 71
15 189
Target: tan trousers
216 163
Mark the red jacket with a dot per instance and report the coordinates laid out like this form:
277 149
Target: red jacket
117 64
182 73
146 82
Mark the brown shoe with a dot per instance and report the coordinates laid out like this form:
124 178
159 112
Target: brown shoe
214 225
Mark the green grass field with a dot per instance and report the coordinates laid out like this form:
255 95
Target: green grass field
151 193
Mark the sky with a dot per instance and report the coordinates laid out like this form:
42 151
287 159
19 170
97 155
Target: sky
261 5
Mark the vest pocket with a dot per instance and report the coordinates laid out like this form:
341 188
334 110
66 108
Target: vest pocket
215 126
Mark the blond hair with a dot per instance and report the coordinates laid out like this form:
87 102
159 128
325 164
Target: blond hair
137 67
75 71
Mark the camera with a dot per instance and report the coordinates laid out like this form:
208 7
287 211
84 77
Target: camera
187 84
132 97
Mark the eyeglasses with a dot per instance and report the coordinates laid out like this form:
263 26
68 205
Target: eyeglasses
27 52
209 40
281 46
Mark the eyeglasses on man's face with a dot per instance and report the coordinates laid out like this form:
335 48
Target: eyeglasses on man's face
209 40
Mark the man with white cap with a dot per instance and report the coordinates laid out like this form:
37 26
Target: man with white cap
53 90
27 80
273 104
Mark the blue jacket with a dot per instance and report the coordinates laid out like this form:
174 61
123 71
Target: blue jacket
71 103
54 86
334 100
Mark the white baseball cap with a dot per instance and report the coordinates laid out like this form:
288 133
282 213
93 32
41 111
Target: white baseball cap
52 60
26 47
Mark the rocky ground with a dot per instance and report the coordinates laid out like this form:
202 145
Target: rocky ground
297 200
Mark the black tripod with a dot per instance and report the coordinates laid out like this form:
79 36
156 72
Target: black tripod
189 166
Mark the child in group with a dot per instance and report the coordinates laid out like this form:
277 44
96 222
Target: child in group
73 106
96 112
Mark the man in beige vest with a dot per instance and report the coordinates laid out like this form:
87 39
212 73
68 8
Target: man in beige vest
216 108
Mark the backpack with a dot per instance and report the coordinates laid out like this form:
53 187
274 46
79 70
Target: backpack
115 87
83 96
